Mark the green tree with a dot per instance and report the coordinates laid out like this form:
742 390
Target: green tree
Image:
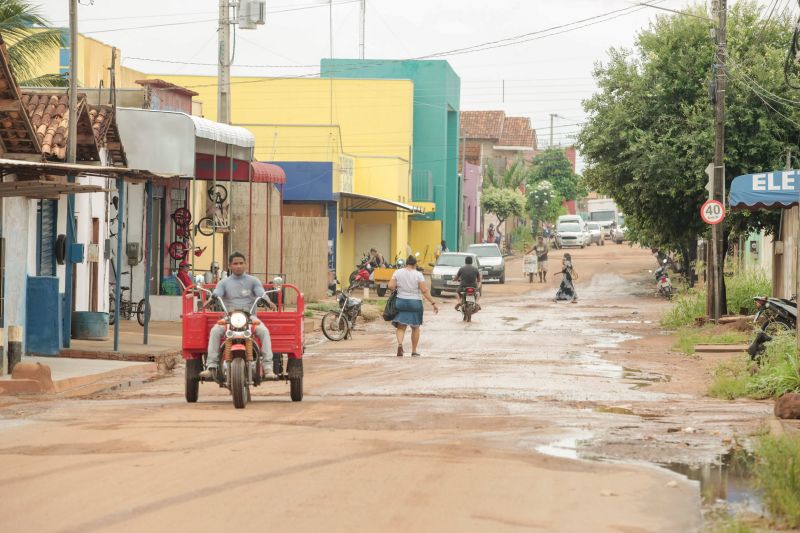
552 165
512 178
544 204
650 131
502 203
30 41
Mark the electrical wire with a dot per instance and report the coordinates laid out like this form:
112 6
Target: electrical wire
480 47
185 23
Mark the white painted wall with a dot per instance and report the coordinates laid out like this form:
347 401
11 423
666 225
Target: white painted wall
18 214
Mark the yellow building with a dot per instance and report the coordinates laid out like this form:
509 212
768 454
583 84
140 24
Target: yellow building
94 64
363 129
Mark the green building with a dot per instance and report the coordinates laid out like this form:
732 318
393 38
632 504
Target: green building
437 104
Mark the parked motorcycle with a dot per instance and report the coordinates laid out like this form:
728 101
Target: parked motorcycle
469 305
240 353
774 316
665 288
338 325
360 277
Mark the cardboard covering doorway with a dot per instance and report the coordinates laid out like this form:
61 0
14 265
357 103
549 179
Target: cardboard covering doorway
378 236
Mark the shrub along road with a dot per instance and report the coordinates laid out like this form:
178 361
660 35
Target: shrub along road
493 428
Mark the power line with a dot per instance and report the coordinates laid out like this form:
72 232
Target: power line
152 26
508 41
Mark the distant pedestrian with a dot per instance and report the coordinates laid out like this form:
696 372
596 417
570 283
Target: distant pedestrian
442 248
490 234
183 275
411 288
541 250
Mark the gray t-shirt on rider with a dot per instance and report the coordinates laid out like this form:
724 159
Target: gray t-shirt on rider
239 292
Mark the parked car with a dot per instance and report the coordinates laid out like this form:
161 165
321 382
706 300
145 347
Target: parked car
493 266
618 235
446 268
570 234
596 234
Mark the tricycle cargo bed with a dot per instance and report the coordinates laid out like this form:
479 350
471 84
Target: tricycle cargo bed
285 327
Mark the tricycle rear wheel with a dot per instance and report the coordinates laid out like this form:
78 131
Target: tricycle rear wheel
296 388
193 368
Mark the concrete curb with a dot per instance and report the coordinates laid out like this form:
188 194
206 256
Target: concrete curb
78 385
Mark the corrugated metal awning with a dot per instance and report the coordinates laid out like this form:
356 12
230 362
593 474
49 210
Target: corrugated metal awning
30 168
267 173
222 133
360 203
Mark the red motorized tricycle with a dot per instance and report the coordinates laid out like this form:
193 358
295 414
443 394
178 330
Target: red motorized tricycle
240 357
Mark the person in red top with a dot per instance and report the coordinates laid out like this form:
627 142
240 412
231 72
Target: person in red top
183 275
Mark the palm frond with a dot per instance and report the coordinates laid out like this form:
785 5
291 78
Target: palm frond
30 40
45 80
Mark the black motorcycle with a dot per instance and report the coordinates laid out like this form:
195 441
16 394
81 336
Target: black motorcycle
337 325
774 316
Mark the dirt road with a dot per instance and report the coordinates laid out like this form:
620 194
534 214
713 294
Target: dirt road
492 429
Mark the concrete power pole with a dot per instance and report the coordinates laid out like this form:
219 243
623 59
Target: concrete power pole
716 257
72 119
362 29
224 66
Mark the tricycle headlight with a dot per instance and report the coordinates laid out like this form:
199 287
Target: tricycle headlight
238 320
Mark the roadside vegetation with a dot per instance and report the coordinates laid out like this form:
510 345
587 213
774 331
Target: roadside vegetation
778 476
777 373
740 290
689 337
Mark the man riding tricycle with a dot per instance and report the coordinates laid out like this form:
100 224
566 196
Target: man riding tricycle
251 335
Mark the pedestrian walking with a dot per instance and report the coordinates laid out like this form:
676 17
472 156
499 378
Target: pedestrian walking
566 291
411 289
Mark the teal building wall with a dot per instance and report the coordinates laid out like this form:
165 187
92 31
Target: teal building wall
437 106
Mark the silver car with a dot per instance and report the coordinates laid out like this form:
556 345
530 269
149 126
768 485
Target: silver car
492 266
446 268
570 234
596 234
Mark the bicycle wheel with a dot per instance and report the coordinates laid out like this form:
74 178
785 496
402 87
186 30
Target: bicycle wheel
182 216
206 226
178 250
142 311
218 193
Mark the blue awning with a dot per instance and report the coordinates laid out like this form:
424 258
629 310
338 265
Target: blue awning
779 189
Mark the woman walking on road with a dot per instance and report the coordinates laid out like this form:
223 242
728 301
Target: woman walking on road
566 291
411 288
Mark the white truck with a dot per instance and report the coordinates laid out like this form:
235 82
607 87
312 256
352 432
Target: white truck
605 212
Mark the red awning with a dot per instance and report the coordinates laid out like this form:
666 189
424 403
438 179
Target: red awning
267 173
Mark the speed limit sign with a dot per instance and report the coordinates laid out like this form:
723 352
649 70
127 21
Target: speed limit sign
712 212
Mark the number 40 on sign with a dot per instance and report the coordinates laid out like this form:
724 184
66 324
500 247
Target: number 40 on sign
712 212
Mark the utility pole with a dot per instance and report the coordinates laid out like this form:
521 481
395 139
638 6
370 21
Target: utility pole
72 120
552 116
224 66
362 29
716 257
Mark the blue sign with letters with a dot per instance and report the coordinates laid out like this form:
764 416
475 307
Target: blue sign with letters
778 189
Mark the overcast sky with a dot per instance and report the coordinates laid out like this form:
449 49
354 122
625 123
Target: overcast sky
550 74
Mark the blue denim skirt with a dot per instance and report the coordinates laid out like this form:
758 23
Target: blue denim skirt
409 312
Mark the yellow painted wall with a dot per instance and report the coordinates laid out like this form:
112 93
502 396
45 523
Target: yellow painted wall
321 119
94 60
425 237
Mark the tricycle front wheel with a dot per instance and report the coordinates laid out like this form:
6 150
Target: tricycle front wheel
193 368
239 389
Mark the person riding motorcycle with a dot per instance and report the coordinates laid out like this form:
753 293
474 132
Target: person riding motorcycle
468 276
238 292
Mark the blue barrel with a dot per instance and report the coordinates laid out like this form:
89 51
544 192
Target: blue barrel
89 325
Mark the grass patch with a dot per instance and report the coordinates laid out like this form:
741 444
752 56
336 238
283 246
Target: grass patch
308 313
777 373
779 370
741 288
689 337
778 476
686 308
323 307
731 379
